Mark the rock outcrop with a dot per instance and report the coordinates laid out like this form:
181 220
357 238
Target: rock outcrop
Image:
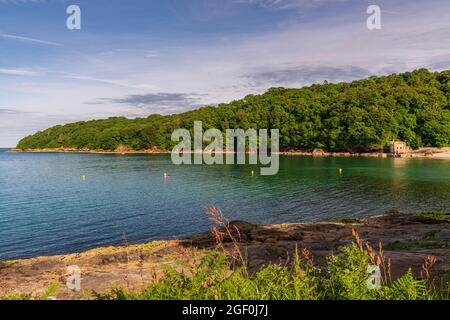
407 240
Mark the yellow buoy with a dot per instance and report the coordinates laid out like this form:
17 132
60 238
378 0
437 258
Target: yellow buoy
84 178
166 174
253 173
341 171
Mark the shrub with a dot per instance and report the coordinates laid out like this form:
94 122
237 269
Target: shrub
222 274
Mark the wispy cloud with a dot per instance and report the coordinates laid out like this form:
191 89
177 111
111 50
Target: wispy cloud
143 52
27 39
161 102
300 76
13 128
440 65
20 72
116 82
9 111
21 1
158 99
289 4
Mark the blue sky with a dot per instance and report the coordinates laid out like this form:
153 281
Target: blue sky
137 57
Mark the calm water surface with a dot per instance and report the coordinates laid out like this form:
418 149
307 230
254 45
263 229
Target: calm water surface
46 208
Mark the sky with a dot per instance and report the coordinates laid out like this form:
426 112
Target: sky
134 58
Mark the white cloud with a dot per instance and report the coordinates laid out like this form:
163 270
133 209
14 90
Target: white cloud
289 4
20 72
21 1
116 82
143 52
27 39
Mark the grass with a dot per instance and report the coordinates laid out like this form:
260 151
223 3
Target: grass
437 216
7 263
347 221
345 278
49 294
222 274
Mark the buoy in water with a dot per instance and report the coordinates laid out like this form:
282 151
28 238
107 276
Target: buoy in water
84 178
253 173
167 174
341 171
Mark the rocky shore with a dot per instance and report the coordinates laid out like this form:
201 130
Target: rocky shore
73 150
407 240
429 153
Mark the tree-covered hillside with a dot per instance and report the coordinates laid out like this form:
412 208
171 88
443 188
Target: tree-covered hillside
413 106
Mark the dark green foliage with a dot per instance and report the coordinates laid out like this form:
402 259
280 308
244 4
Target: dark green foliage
344 278
414 107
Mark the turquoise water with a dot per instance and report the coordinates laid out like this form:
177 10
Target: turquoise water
46 208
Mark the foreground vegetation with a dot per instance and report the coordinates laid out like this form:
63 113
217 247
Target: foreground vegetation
413 107
222 274
225 271
344 278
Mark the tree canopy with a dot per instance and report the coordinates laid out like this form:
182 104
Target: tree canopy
413 107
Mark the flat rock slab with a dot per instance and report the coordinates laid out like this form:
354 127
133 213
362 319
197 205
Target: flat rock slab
406 239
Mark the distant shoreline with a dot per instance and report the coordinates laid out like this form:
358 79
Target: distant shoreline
69 150
426 153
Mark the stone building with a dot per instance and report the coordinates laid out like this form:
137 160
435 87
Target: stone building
399 148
